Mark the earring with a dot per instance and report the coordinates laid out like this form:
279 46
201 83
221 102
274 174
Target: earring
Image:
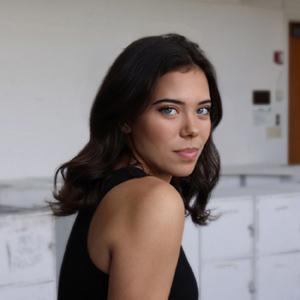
126 128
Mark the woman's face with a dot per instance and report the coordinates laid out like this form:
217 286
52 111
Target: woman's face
177 118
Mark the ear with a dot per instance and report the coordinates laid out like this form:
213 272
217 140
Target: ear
125 128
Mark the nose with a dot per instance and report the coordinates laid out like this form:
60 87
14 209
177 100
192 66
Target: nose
190 126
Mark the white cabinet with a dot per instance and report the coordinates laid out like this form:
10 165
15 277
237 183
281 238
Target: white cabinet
37 291
226 250
278 246
278 277
219 238
253 250
27 248
226 279
27 254
278 223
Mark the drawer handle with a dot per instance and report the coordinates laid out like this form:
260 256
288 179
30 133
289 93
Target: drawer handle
251 230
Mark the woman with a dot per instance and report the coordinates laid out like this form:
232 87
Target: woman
149 155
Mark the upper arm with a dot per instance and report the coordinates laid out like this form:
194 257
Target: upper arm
146 251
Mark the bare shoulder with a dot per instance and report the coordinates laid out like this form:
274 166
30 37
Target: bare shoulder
146 185
151 191
134 194
146 241
136 235
150 197
130 196
156 198
138 199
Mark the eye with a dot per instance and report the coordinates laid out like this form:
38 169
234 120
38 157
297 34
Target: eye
205 110
170 111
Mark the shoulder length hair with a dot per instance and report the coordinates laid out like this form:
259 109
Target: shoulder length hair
124 94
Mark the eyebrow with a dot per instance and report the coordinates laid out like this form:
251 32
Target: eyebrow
179 102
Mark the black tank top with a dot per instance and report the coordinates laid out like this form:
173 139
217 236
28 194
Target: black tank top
80 279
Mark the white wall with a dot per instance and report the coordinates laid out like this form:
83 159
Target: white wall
292 9
53 56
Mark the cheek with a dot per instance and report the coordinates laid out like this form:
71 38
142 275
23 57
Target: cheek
154 131
158 132
206 130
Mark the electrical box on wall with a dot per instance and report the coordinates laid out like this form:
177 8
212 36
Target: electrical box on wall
261 100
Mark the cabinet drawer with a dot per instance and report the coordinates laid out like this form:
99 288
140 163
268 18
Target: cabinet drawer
229 279
27 249
278 223
230 236
278 277
41 291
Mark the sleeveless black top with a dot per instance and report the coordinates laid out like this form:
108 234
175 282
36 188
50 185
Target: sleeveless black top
80 279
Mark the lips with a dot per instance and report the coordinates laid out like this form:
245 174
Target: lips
188 153
188 150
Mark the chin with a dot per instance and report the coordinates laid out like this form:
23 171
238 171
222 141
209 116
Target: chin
183 171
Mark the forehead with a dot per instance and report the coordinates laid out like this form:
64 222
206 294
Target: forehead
182 84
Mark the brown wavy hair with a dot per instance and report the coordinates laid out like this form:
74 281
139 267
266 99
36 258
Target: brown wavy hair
123 95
